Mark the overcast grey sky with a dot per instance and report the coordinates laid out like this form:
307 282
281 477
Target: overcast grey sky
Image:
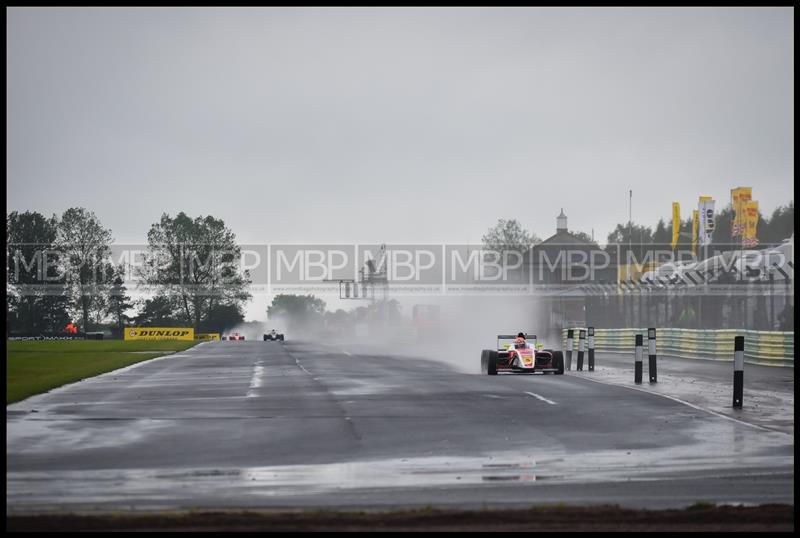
396 125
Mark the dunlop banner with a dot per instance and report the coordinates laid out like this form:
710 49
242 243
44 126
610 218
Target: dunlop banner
695 229
206 336
750 209
676 223
739 196
159 333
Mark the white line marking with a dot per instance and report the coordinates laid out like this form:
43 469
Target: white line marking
346 353
255 379
551 402
673 398
301 366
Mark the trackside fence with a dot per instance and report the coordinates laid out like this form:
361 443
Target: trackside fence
772 348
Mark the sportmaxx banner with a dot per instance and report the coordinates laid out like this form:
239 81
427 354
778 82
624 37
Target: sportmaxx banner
159 333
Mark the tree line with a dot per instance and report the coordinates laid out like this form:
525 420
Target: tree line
509 234
301 314
60 269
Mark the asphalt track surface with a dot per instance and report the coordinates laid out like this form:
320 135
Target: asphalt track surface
273 425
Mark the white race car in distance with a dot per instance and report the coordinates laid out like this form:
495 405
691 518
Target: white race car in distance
273 335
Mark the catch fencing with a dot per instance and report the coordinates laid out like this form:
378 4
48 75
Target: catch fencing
772 348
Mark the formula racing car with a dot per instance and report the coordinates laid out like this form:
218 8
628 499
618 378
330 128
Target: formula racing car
515 357
273 335
234 336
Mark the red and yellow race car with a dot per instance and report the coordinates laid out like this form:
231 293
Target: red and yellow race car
234 336
521 354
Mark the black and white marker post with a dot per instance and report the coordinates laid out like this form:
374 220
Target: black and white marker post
738 371
570 335
637 375
590 334
651 344
581 345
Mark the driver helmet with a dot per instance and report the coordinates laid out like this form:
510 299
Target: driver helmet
519 342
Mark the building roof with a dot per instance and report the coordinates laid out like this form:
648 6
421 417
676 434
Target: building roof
563 237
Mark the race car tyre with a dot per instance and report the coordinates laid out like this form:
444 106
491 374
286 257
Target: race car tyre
266 338
558 362
485 361
280 337
492 369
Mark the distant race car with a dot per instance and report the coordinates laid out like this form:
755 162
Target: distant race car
520 358
273 335
234 336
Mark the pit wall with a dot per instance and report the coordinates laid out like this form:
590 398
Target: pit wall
772 348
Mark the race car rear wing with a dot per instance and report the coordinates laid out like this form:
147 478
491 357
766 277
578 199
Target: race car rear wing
504 341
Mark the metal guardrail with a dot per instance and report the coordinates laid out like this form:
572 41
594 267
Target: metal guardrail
773 348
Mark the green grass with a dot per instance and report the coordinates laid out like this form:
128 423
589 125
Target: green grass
39 366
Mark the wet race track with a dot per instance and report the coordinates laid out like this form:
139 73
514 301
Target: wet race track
267 424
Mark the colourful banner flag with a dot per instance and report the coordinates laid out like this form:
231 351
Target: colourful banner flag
695 229
706 209
676 223
750 211
739 196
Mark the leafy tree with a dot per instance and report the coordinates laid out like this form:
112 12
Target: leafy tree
780 225
160 311
509 235
662 235
221 318
36 299
299 311
723 224
388 310
340 321
635 239
196 261
118 301
84 243
583 236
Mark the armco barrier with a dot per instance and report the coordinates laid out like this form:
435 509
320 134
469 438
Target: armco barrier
771 348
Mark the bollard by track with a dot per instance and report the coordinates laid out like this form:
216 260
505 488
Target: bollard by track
738 371
637 376
570 334
590 334
581 345
651 344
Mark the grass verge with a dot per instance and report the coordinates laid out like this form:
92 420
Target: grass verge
38 366
708 517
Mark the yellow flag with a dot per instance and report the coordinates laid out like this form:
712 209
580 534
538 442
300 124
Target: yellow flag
739 196
695 229
750 212
676 223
